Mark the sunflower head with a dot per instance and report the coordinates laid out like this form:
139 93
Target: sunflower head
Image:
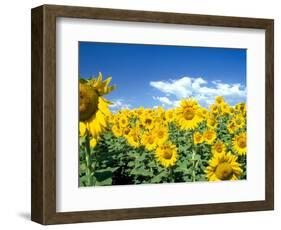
161 134
123 121
219 100
223 167
197 138
204 113
188 116
89 100
214 109
166 154
147 120
212 122
231 127
210 136
169 115
218 148
149 140
239 143
225 108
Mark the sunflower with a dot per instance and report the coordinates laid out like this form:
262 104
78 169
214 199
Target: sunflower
116 131
123 121
147 120
219 100
149 140
212 122
161 134
126 131
218 148
239 121
169 115
204 113
214 109
198 138
166 154
134 138
223 167
231 127
239 143
225 108
210 136
231 110
93 108
241 108
188 115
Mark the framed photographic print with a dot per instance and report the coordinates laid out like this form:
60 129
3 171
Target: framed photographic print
141 114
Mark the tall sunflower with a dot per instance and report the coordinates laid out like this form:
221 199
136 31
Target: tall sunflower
166 154
188 114
223 167
93 108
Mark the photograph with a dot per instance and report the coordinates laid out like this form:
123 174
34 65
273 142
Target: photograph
151 114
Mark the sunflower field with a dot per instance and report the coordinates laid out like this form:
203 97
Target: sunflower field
146 146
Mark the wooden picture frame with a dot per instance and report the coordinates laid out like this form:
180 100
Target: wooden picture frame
43 189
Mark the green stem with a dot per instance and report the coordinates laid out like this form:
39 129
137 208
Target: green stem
194 164
88 162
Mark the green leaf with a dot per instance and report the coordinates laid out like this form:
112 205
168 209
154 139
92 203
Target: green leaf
141 172
159 177
82 80
103 176
83 167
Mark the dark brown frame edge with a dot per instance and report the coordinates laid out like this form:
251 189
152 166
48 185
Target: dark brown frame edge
43 157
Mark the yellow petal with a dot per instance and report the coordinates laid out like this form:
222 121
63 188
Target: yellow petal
82 128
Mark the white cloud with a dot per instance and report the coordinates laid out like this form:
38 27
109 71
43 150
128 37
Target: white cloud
180 88
199 89
163 100
119 104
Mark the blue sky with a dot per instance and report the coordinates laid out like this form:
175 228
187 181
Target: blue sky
152 75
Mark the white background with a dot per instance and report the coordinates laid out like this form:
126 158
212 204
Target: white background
72 198
15 114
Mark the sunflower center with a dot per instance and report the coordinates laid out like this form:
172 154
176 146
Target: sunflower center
135 138
150 140
188 114
242 142
209 136
126 131
219 149
160 134
148 121
88 102
167 154
224 171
